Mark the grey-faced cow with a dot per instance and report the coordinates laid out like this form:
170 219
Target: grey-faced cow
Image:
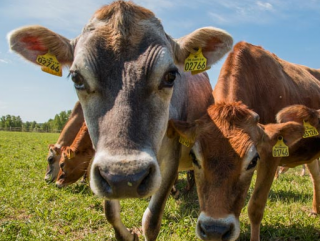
129 77
66 138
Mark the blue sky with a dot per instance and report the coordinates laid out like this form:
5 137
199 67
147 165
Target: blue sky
288 28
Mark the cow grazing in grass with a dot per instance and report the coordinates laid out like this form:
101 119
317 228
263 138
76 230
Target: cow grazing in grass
228 143
75 159
129 77
66 138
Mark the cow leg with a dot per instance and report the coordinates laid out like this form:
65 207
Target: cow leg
315 175
112 213
151 221
303 172
265 173
190 181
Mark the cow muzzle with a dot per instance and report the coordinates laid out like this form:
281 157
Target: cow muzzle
117 177
223 229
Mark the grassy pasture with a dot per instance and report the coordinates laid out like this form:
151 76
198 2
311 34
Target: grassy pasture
30 209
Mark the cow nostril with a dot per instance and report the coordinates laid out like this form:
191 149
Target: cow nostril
144 184
202 231
215 230
106 185
50 159
61 164
229 232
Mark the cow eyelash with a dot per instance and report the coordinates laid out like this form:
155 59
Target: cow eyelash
194 159
253 162
77 79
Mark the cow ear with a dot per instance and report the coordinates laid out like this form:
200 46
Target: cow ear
181 128
50 146
56 150
70 153
31 41
298 113
214 42
290 131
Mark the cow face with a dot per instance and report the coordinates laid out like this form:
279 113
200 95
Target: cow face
228 144
53 158
73 165
124 67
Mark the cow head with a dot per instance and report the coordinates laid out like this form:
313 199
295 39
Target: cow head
73 165
124 67
53 158
228 144
300 114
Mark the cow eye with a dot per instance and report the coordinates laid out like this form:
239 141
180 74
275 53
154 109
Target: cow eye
78 80
194 159
170 77
253 162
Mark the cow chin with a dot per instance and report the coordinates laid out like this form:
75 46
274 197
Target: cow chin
125 176
52 172
222 229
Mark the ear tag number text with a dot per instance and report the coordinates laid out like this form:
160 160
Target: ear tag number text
196 63
280 149
310 130
184 141
49 64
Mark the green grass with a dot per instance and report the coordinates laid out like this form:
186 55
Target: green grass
30 209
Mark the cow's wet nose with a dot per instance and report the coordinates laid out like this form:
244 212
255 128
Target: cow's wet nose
217 231
133 184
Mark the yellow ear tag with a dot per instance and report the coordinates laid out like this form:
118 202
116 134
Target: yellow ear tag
196 63
280 149
49 64
70 154
184 141
310 130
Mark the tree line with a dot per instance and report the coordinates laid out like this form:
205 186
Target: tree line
15 123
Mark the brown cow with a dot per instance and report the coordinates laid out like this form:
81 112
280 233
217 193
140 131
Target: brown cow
130 80
266 84
66 138
228 143
75 159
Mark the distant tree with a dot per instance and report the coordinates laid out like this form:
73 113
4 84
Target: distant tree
63 118
33 125
45 127
8 121
51 125
26 126
57 123
18 121
2 121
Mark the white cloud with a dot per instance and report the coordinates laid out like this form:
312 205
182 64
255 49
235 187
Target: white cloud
69 15
266 6
3 61
258 12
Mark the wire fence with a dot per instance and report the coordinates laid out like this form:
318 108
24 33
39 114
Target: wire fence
21 129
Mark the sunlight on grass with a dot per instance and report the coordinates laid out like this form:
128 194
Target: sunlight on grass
31 209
